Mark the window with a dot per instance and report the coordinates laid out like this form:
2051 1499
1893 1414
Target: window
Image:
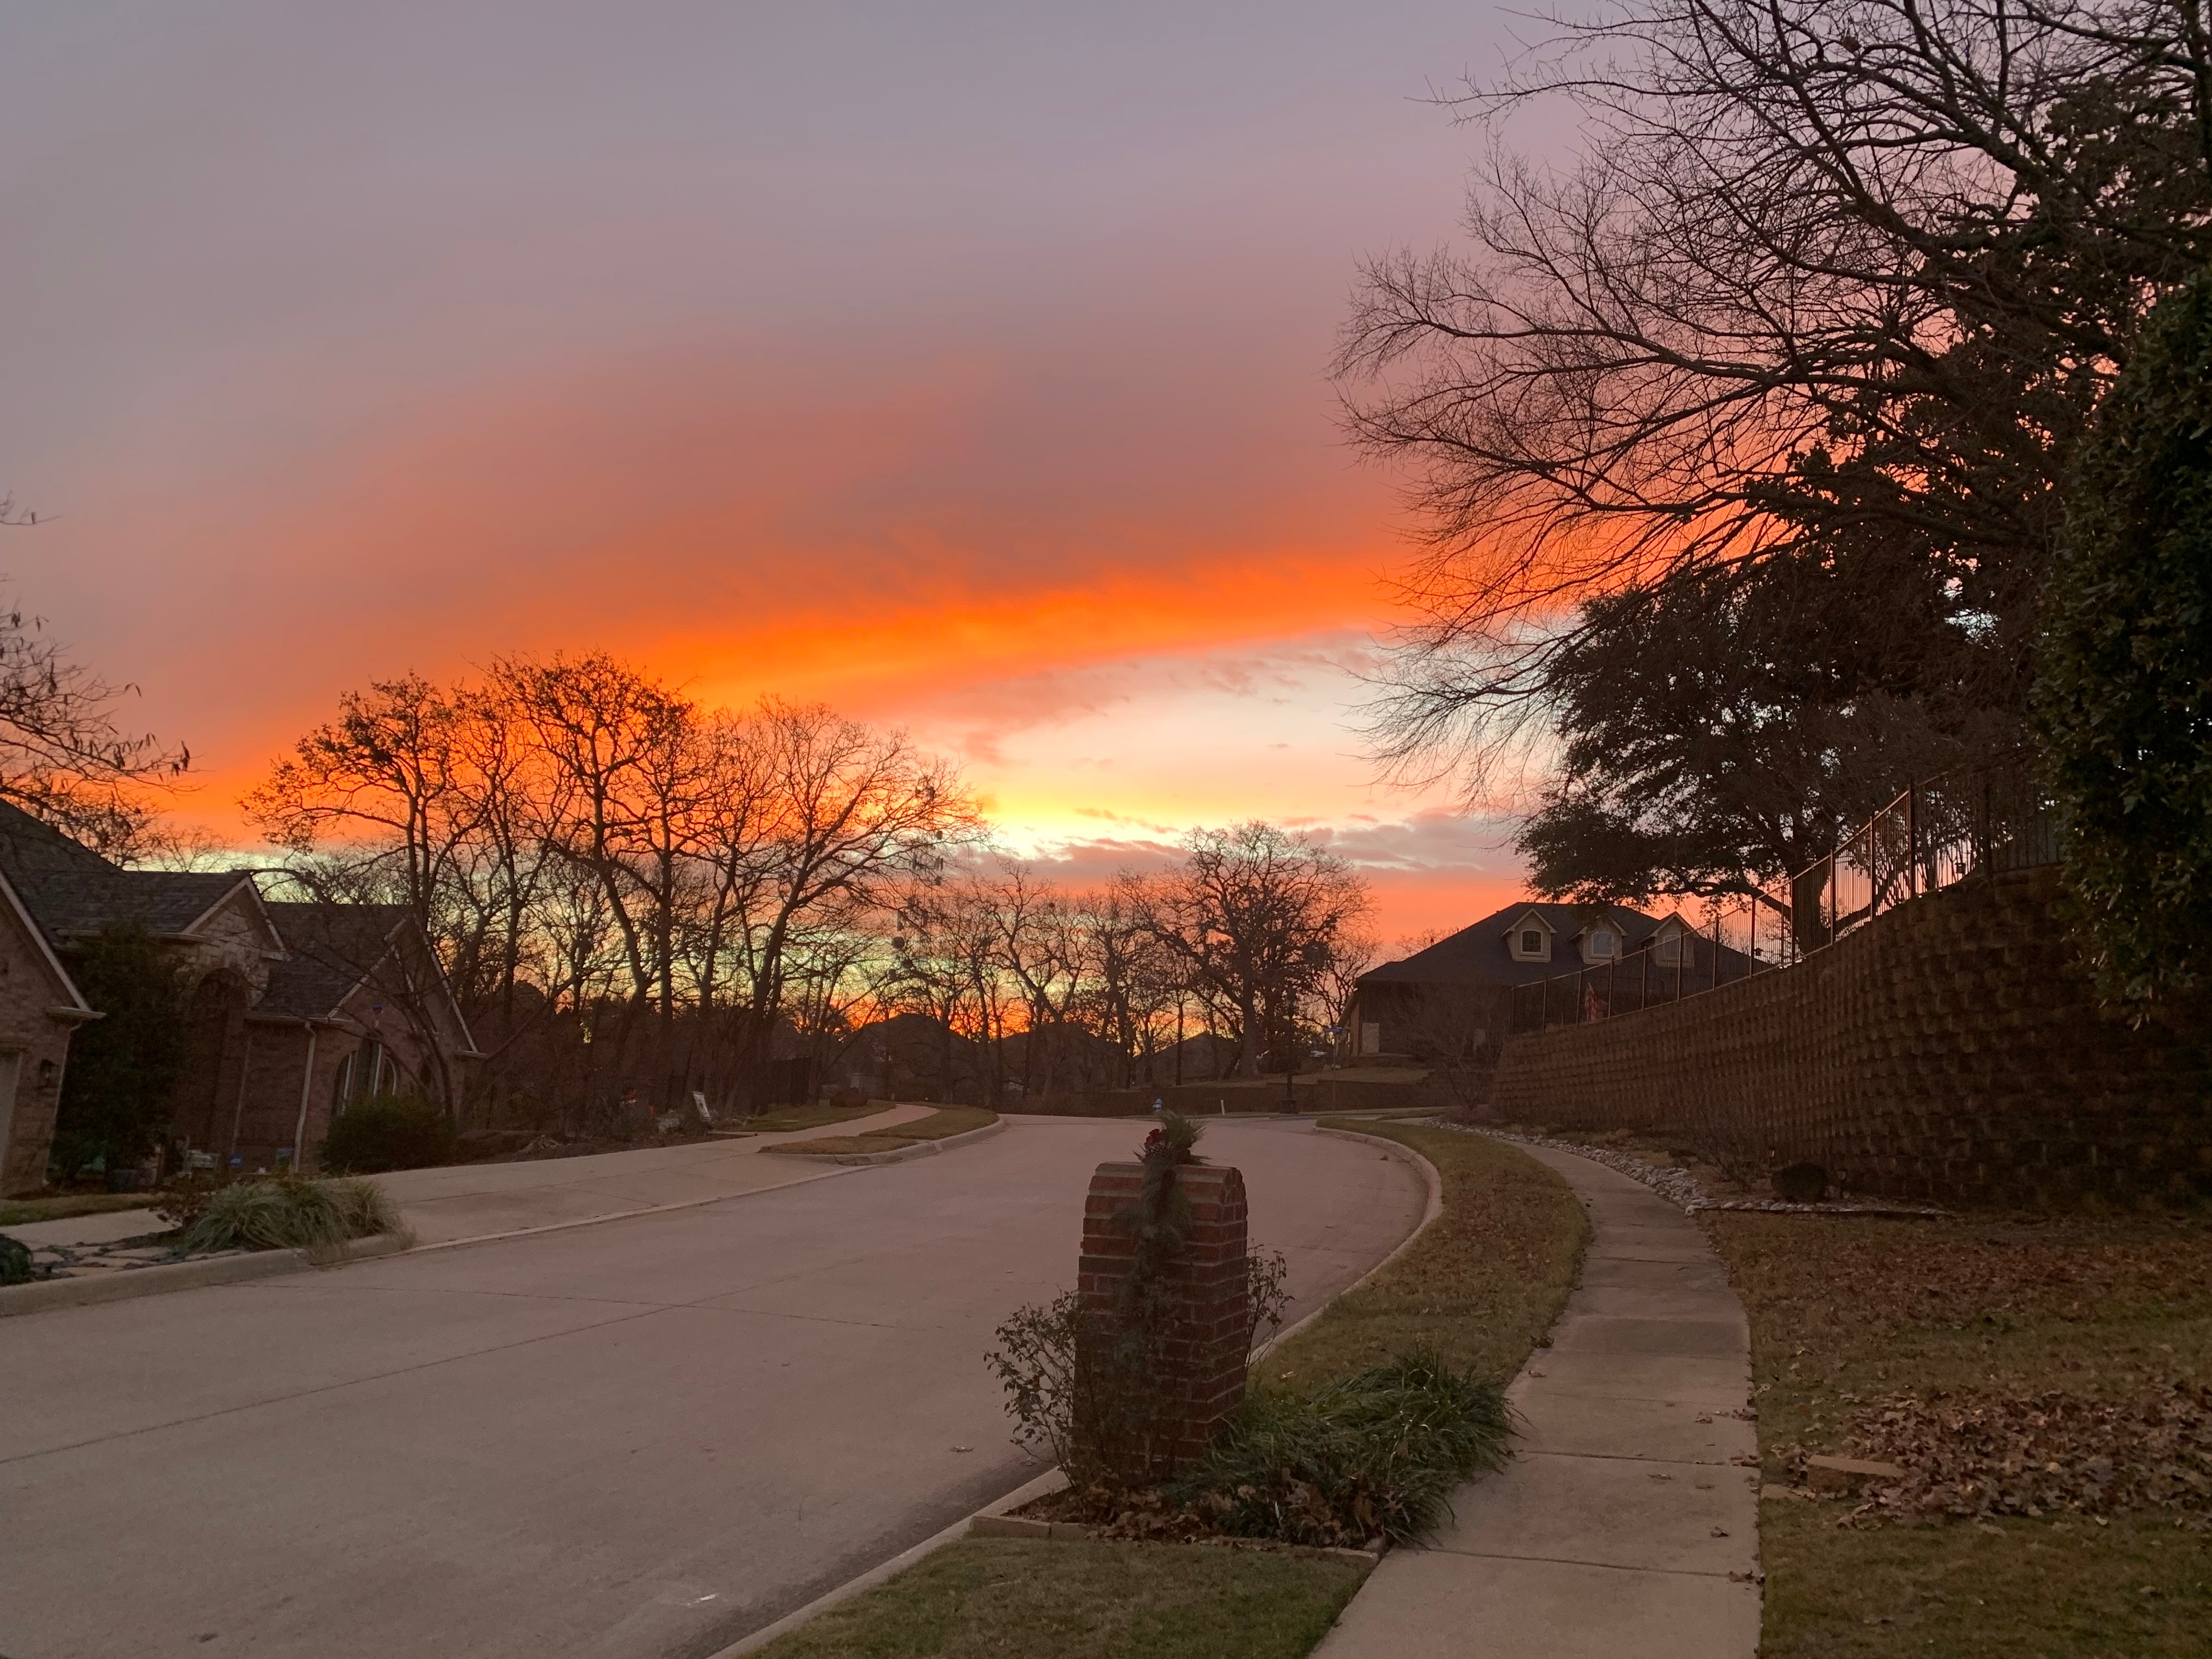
1532 942
1601 943
1670 947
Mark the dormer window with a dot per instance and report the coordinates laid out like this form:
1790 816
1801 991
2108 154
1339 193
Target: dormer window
1601 943
1670 947
1529 938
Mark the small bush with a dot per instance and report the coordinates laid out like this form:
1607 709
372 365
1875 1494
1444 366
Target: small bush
285 1212
1375 1454
388 1132
15 1261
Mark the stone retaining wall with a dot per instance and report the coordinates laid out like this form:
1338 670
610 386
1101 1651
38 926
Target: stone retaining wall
1949 1050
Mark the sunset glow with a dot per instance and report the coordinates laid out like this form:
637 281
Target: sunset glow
966 376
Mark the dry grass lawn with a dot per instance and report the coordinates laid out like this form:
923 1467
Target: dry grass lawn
943 1121
22 1211
1019 1598
2046 1328
1479 1288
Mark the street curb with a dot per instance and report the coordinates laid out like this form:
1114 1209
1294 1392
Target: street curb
1050 1481
980 1523
898 1154
1434 1208
130 1283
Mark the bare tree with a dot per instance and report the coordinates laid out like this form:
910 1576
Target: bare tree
1253 914
1831 275
62 757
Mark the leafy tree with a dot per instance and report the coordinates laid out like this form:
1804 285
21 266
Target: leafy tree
116 1091
2124 695
1722 725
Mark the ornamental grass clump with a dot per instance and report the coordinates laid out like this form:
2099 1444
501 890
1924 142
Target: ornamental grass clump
286 1212
1374 1455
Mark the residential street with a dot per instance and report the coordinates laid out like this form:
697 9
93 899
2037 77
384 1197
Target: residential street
636 1439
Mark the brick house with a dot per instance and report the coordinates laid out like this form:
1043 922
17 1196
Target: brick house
1456 997
295 1009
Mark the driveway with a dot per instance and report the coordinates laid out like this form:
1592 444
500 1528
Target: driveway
643 1438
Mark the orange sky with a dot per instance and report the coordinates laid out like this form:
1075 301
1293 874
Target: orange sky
965 373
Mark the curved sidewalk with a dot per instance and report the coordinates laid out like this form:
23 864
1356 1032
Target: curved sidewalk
1624 1525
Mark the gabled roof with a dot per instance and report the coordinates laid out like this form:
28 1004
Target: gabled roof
1481 954
72 998
332 948
335 949
70 890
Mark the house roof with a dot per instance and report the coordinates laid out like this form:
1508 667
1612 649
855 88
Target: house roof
332 948
1481 954
69 890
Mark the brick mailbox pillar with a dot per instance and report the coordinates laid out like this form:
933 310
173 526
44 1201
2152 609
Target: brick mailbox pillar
1199 1379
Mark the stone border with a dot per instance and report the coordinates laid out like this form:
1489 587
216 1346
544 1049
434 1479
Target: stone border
898 1154
126 1283
1681 1187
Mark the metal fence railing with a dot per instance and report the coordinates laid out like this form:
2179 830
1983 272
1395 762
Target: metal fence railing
1933 836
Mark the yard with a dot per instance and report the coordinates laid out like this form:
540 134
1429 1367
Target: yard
2044 1380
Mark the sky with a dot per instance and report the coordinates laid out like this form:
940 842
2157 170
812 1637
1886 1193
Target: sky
960 365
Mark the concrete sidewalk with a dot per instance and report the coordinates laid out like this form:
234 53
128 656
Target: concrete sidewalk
1623 1526
473 1200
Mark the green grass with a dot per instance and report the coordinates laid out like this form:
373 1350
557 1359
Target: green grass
22 1211
1846 1311
943 1121
1019 1598
1477 1290
786 1118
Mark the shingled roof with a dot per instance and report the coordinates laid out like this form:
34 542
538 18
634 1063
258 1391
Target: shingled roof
70 891
333 948
1480 955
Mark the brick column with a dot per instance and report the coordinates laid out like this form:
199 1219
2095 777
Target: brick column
1202 1375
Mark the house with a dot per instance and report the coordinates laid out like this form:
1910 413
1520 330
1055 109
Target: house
1456 997
294 1009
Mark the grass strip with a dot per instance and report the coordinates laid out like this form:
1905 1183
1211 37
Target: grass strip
1846 1313
943 1121
1000 1598
786 1118
1477 1290
24 1211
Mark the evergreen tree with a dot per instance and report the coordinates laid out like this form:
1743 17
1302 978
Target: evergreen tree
115 1092
2124 695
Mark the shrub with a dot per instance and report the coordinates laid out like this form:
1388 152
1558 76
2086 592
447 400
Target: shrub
123 1068
2124 692
1374 1454
388 1132
15 1261
286 1212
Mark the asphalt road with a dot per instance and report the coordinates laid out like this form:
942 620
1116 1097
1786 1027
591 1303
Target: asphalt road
635 1440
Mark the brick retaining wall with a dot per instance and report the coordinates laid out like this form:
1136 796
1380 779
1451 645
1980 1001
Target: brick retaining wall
1949 1050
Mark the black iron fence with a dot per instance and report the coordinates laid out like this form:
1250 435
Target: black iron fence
1936 835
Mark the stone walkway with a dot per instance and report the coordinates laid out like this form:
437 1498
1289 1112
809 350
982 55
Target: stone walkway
1626 1525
